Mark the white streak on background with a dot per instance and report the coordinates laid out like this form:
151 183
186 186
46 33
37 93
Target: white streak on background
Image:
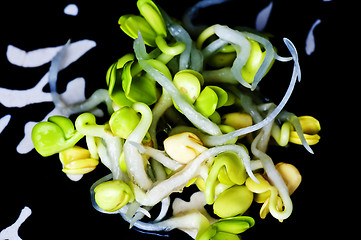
30 59
74 94
21 98
71 9
263 16
4 121
310 40
11 233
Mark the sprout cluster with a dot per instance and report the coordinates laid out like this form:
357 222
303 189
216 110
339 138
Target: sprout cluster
184 112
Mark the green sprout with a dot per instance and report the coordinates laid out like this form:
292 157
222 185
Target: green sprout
151 24
128 84
253 63
152 27
113 195
131 24
138 88
188 82
114 83
171 50
282 135
227 228
123 121
268 195
221 59
233 201
86 124
298 130
211 98
243 51
224 128
237 120
55 135
136 166
228 169
149 10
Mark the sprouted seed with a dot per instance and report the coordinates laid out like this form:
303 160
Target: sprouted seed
183 111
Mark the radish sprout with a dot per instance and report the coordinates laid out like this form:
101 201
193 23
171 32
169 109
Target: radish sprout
183 112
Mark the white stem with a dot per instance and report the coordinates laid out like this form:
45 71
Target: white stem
177 181
187 109
159 156
276 180
133 159
164 102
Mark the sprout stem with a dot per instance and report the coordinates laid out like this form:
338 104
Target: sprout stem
296 74
191 170
164 102
293 119
133 159
188 110
273 175
158 155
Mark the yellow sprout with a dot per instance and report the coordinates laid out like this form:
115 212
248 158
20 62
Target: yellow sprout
310 126
237 120
260 187
77 161
264 190
282 136
290 175
183 147
310 139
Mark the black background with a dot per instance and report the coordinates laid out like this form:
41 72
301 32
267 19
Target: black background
61 208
